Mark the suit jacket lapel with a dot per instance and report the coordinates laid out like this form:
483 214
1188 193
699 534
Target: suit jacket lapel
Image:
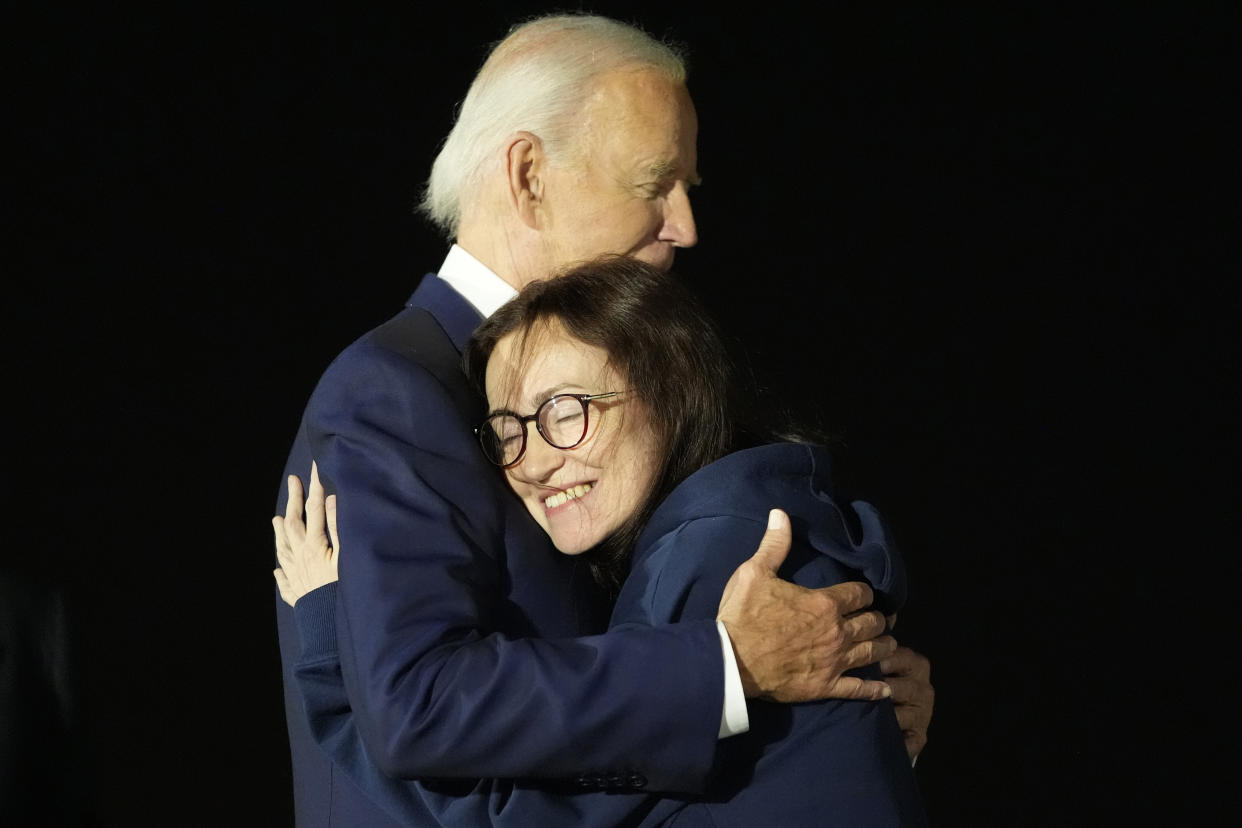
454 314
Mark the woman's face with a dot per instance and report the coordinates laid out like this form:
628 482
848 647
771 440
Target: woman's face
583 494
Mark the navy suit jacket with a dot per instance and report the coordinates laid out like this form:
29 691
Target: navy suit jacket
458 624
825 763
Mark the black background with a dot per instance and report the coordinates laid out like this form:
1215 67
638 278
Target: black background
993 249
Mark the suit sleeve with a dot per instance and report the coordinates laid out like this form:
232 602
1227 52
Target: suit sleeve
449 802
435 691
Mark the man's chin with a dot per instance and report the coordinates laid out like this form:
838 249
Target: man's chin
662 260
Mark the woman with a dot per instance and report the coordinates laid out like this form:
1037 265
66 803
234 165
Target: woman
636 463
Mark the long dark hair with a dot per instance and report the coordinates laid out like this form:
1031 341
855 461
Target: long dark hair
661 342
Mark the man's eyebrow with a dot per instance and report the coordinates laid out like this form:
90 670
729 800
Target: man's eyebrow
662 170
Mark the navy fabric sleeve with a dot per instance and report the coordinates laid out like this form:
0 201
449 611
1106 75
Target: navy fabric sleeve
435 691
318 674
445 802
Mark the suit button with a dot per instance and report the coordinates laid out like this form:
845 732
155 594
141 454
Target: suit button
590 780
637 780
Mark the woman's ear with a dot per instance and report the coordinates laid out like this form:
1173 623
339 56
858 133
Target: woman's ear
527 168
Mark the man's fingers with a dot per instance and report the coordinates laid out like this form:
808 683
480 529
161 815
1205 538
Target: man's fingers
864 626
851 687
913 694
914 698
909 717
906 662
868 652
794 644
774 545
850 597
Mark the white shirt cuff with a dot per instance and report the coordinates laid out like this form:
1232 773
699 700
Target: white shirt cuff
733 718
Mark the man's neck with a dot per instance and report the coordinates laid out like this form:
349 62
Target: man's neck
507 255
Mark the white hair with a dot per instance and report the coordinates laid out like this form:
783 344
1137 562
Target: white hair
536 80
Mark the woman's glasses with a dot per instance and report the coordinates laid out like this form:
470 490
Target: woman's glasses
561 422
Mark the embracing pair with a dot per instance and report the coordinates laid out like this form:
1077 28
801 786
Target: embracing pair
460 672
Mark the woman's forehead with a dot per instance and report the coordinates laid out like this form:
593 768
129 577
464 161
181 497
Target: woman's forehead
528 366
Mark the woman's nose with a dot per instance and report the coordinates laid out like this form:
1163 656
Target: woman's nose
541 460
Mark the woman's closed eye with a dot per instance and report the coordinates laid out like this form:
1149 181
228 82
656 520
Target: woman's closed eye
561 417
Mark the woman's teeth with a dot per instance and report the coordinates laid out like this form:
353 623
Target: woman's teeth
567 495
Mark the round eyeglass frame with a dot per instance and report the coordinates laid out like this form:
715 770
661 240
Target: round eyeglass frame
538 418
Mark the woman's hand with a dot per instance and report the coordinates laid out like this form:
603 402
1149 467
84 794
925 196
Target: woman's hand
307 560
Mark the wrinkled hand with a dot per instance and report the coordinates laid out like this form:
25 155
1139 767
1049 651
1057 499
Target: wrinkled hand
307 560
793 644
909 676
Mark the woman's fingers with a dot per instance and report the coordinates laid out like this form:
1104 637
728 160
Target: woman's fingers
284 552
306 560
286 589
315 507
330 508
294 526
293 507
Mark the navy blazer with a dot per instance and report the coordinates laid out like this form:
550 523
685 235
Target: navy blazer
825 763
445 584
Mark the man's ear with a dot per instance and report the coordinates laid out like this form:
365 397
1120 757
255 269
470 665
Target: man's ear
527 167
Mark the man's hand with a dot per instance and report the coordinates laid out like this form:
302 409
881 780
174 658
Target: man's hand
793 644
909 675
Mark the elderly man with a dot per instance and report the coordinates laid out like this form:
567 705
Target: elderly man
456 620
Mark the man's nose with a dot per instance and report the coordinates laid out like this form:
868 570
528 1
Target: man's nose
679 227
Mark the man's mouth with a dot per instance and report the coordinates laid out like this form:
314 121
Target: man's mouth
563 497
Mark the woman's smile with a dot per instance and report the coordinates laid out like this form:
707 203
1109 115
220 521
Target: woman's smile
565 496
582 494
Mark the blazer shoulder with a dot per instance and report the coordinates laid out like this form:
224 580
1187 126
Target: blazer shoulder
414 333
409 356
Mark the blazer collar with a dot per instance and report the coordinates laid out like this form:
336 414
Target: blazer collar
456 316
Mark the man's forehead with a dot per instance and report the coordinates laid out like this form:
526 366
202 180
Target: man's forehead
645 122
640 98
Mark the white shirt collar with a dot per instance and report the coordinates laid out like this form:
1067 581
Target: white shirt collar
475 282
